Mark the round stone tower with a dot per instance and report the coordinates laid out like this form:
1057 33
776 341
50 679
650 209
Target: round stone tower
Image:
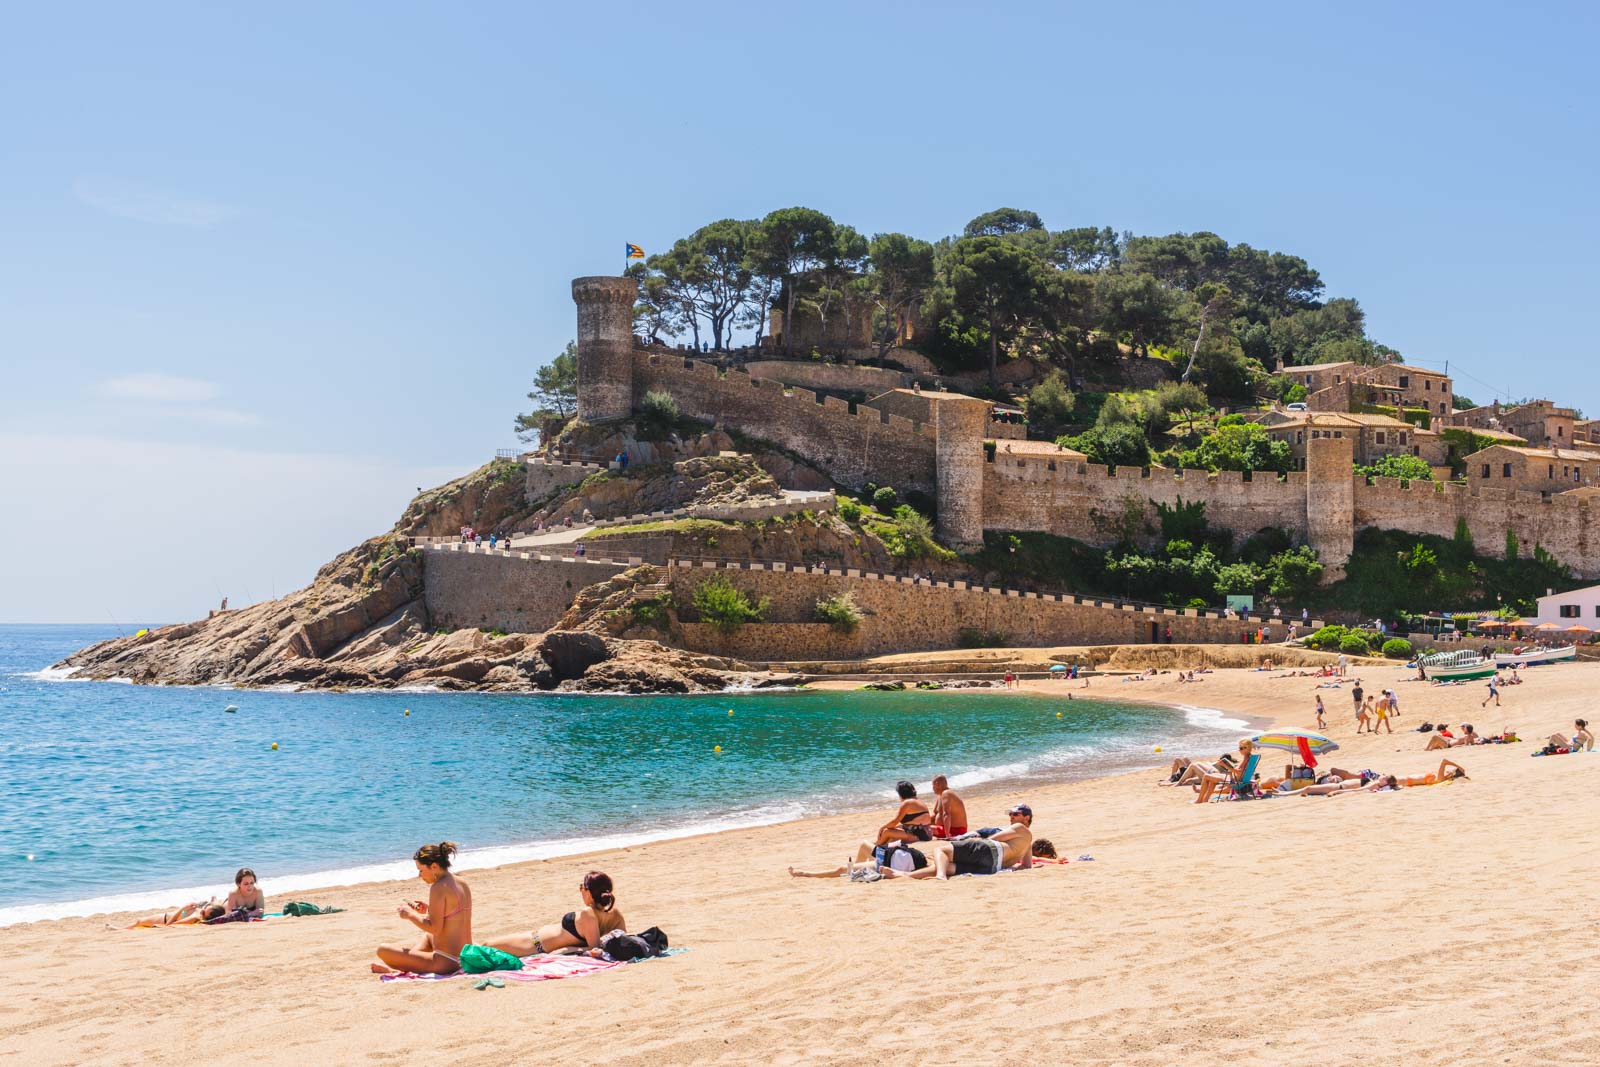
959 423
605 346
1331 503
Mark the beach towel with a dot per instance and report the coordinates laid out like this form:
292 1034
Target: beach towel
300 907
537 969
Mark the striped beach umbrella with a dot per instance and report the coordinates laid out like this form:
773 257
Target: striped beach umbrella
1303 743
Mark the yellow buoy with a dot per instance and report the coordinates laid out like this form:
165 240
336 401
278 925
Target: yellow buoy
730 711
408 711
716 748
274 746
1158 748
1058 715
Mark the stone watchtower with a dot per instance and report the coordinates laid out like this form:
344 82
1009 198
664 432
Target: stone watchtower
959 423
605 346
1331 502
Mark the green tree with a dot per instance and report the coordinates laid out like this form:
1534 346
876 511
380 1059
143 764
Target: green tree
1121 445
1293 575
555 392
1084 249
1138 307
1411 468
1049 405
901 272
1238 447
1002 222
997 281
717 261
833 287
786 246
1213 303
1237 578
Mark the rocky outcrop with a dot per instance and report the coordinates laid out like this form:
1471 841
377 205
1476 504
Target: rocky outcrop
698 480
362 622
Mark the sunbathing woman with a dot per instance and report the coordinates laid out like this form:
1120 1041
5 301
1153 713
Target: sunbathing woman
1469 736
188 915
445 920
1448 772
246 894
1193 772
1229 776
577 929
1581 738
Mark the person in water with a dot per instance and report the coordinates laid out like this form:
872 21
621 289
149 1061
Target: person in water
445 920
577 929
246 894
189 915
949 810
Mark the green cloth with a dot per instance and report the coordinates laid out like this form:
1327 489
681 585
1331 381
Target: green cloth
300 907
476 959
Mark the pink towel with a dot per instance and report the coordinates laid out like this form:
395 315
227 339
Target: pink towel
534 969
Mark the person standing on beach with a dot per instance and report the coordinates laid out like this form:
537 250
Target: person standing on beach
1356 694
1321 725
445 920
1343 664
1364 717
949 810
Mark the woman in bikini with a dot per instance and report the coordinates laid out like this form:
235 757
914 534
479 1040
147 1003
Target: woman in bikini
1226 776
912 822
445 920
189 915
1448 772
1581 738
246 894
577 929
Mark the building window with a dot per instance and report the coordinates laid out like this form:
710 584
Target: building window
1569 611
1379 437
1338 379
1416 450
1441 408
1550 472
1561 431
1402 437
1405 381
1486 470
1308 380
1299 437
1427 385
1505 470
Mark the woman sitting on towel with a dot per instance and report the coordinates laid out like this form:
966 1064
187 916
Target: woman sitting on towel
577 929
1581 738
246 895
445 920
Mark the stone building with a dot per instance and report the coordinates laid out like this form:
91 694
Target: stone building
1371 436
1034 487
1539 422
1542 470
1339 386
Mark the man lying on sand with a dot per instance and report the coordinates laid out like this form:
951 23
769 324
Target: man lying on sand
1043 849
1010 848
1469 736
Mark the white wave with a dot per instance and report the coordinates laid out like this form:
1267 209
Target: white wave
54 674
1211 718
399 870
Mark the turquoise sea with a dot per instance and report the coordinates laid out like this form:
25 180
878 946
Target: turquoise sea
120 796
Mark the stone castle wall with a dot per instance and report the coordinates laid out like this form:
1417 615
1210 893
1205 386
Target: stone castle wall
851 447
504 590
841 377
902 616
1567 525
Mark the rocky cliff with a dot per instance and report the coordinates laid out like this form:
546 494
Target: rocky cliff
362 623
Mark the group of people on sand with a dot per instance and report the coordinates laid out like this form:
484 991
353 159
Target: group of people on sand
1227 775
892 851
445 920
245 901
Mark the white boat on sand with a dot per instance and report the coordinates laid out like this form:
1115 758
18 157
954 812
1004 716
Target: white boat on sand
1534 657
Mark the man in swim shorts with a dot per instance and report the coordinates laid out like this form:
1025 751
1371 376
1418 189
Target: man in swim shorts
949 810
1011 847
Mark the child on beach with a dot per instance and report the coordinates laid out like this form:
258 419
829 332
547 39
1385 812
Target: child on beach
1364 716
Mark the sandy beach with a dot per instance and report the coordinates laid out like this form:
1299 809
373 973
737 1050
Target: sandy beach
1439 925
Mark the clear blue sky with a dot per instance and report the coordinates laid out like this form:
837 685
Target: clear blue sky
262 275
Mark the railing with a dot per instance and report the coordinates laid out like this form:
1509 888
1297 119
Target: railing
510 453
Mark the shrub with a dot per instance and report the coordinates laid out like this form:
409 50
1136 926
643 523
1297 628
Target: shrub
1353 644
653 612
840 612
1049 405
849 510
658 413
973 637
1397 648
884 499
911 536
720 603
1327 638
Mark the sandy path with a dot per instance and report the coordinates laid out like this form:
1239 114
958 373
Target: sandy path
1449 925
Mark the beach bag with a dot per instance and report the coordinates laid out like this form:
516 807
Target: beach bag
478 959
902 858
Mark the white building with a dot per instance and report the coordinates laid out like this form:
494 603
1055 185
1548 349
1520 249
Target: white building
1569 609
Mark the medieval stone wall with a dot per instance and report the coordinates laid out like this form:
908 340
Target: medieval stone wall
851 447
1567 525
839 377
506 591
900 615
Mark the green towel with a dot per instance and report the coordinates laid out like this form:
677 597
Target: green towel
476 959
300 907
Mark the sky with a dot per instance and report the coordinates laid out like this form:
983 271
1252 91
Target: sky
264 273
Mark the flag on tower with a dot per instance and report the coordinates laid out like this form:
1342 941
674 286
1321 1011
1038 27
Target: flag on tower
634 251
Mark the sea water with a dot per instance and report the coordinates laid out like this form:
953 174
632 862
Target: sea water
118 796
